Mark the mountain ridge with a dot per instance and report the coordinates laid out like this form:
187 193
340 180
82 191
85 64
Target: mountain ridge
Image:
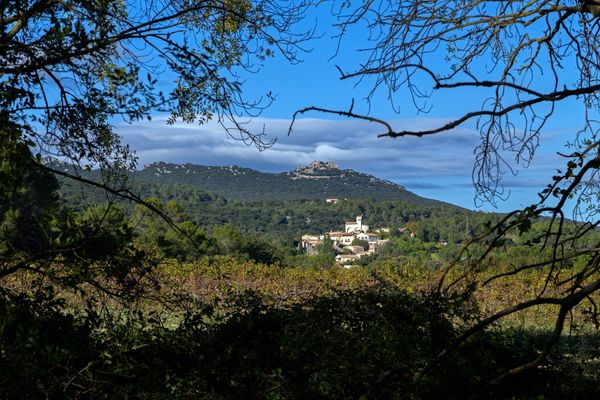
318 180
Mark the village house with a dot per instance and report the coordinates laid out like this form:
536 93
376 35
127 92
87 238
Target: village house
335 236
355 249
375 247
310 243
344 259
368 237
347 239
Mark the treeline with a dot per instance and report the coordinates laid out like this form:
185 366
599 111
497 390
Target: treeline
178 237
287 220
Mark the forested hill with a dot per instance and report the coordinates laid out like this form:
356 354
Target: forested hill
319 180
286 205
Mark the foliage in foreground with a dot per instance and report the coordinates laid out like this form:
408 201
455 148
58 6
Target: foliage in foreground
350 344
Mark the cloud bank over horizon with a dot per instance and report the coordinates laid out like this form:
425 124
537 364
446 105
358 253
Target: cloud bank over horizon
438 166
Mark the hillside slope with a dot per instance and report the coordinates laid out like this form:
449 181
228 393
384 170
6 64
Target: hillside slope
319 180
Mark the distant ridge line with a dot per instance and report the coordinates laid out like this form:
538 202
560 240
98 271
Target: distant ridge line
317 180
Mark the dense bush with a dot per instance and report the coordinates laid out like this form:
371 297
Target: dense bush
352 344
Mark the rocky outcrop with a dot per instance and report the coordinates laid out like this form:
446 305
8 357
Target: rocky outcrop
316 166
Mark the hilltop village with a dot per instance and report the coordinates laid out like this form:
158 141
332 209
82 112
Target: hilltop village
349 245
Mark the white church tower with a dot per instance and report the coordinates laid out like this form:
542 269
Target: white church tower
356 226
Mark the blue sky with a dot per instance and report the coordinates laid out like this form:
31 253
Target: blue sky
437 167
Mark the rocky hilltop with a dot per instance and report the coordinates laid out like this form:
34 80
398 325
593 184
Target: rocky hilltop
315 167
330 170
